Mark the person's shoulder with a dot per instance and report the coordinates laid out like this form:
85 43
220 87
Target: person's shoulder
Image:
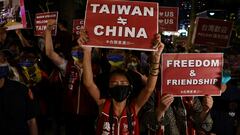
16 87
16 84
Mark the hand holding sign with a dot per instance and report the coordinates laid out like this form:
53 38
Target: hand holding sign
41 21
83 39
157 44
164 103
207 103
51 24
155 60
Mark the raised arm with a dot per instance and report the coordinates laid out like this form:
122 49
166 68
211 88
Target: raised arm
23 40
32 125
152 79
87 71
49 50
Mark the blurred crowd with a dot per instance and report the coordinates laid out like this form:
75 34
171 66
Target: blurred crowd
53 71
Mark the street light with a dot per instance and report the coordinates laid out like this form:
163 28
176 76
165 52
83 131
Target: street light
212 13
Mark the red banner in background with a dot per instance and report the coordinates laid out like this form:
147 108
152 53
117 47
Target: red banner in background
121 24
212 32
168 18
41 20
78 24
13 14
193 74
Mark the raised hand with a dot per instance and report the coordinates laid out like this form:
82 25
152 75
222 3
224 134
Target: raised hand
157 44
207 103
83 39
51 24
164 104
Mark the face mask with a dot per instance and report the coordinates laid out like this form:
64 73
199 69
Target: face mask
115 60
119 93
4 70
26 63
77 55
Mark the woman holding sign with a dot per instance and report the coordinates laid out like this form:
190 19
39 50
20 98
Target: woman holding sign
118 114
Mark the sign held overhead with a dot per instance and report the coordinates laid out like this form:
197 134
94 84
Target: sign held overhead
121 24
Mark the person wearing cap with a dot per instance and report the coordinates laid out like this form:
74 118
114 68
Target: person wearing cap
17 108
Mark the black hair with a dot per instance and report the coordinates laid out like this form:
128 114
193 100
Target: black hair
121 72
27 50
111 111
63 22
6 53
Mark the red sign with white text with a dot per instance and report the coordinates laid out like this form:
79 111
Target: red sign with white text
193 74
121 24
168 18
41 20
78 24
212 32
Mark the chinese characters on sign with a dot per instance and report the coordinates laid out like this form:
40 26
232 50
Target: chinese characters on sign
193 74
121 24
212 32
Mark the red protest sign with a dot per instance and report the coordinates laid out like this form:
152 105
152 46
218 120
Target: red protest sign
41 20
121 24
78 24
193 74
168 18
212 32
13 14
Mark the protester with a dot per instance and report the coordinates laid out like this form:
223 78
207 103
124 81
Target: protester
225 111
17 111
63 40
36 79
118 114
180 116
112 59
79 107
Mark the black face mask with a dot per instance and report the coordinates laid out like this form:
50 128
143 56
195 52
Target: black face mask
120 93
